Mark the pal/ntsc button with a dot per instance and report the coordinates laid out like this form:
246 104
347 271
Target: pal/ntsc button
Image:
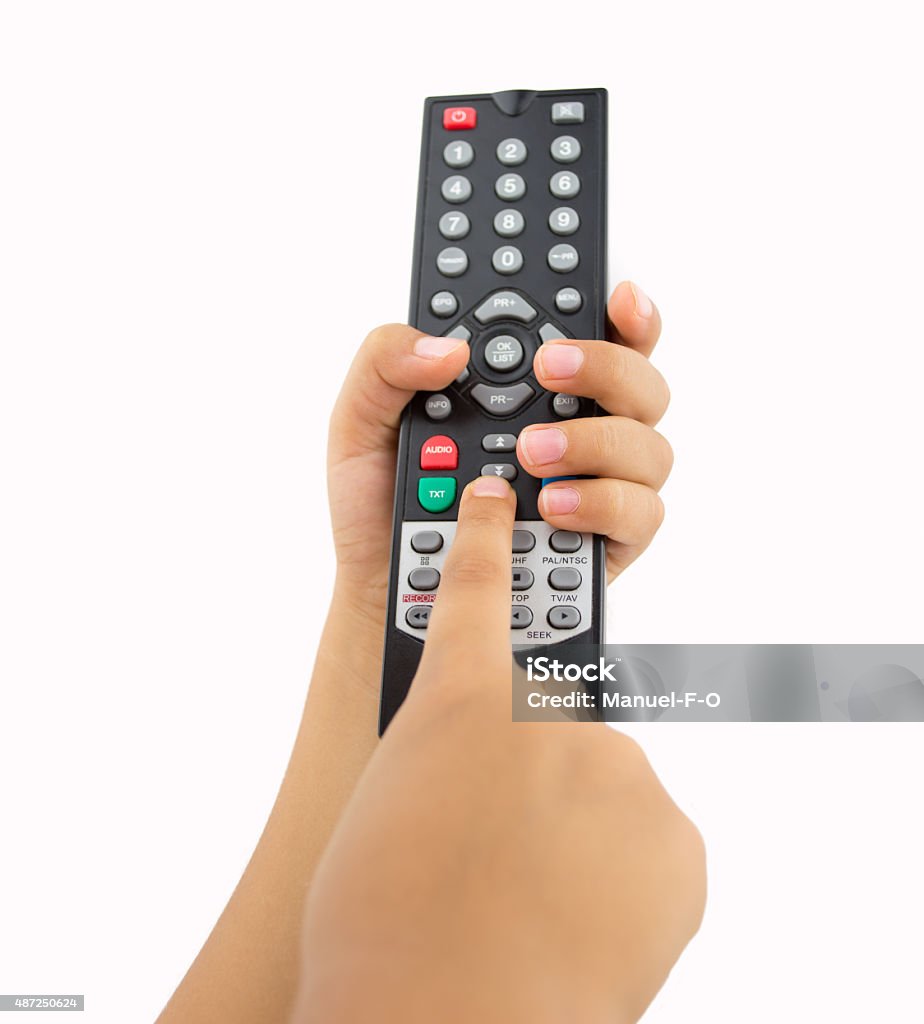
418 616
457 119
565 542
424 578
427 542
564 616
501 401
565 577
436 493
439 452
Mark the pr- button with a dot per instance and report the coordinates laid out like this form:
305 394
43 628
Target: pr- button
459 118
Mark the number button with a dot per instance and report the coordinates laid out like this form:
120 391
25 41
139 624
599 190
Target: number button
563 258
564 221
455 225
565 184
507 259
452 262
509 186
565 149
509 223
458 154
456 188
511 152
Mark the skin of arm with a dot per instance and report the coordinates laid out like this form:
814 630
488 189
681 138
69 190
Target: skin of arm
490 870
248 968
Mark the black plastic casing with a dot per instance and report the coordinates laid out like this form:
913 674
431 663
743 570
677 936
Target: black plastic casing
523 115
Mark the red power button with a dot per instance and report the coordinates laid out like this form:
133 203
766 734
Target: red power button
458 118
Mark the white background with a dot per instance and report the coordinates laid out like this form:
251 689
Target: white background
203 209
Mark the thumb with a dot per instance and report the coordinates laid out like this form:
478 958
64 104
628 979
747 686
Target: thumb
392 363
471 615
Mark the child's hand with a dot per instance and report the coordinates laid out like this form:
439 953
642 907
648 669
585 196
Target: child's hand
630 459
491 871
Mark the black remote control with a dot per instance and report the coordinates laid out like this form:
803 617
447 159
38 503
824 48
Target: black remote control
509 251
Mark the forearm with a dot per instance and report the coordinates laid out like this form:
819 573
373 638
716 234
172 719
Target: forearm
248 968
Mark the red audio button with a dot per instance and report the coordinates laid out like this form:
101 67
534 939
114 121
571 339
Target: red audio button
439 452
458 118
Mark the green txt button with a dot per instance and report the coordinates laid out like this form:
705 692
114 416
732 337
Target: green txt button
436 493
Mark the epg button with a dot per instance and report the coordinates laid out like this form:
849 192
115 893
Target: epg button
439 452
459 118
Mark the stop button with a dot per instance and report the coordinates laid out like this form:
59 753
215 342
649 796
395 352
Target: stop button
439 452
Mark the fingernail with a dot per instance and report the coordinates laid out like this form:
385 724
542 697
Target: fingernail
435 348
559 501
542 445
643 306
560 361
490 487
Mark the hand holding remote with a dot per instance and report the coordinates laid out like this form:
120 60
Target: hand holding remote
493 871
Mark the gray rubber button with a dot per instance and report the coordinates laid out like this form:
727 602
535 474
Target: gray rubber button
511 152
503 353
509 223
418 616
520 617
457 188
444 304
507 259
458 154
549 331
522 578
424 578
566 406
455 224
504 306
459 331
568 300
499 443
426 542
564 616
463 376
501 401
511 186
504 470
563 185
565 149
565 577
571 112
563 258
565 542
562 220
523 541
452 261
438 407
